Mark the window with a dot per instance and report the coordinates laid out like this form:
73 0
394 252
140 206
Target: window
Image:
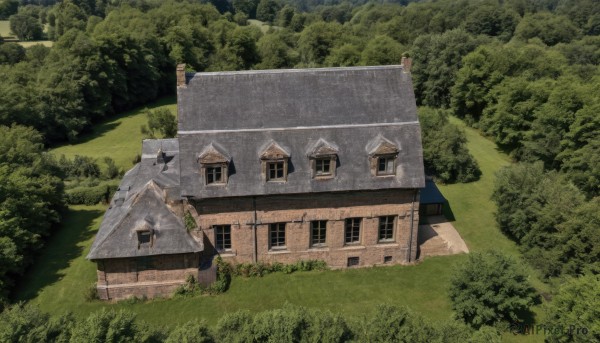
222 237
214 174
352 233
277 235
387 259
386 228
386 165
144 237
322 166
353 261
318 233
276 171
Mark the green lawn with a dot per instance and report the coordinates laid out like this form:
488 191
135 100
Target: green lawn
119 138
61 275
4 28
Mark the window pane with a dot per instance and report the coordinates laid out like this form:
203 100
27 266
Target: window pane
223 237
277 233
386 228
352 230
390 165
318 232
382 163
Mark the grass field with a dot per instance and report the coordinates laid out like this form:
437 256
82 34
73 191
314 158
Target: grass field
4 28
264 27
58 280
119 138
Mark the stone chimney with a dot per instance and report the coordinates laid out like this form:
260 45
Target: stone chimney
406 64
181 82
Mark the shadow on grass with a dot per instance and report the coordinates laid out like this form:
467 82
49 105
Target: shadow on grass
447 212
62 248
110 123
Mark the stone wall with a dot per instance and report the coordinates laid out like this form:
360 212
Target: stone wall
297 211
148 276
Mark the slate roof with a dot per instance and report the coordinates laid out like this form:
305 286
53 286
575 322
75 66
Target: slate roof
141 203
350 108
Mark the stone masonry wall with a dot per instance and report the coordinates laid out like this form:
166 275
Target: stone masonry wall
297 211
148 276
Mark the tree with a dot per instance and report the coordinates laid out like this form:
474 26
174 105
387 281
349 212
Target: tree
550 28
11 53
382 50
160 121
31 199
26 27
345 55
437 58
105 326
316 42
492 20
573 315
8 8
490 288
445 153
267 10
26 323
273 53
190 332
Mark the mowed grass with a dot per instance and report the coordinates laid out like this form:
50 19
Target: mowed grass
5 28
61 275
119 137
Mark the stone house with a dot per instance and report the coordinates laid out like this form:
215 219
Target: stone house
272 166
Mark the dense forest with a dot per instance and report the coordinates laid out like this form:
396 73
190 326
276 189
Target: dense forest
524 73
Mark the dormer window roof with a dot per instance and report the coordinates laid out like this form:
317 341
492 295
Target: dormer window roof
274 151
383 155
274 163
213 153
323 159
214 163
145 233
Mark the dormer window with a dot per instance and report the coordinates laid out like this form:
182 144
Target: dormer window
274 161
144 237
383 155
276 170
386 165
214 174
323 166
214 163
323 159
145 232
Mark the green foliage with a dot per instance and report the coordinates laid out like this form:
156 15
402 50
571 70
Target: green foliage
8 8
492 20
190 332
551 29
190 222
105 326
26 27
382 50
31 199
90 195
490 288
11 53
162 122
573 315
260 269
549 218
91 293
437 58
445 154
26 323
267 10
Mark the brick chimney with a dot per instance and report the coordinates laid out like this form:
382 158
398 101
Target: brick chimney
406 64
181 82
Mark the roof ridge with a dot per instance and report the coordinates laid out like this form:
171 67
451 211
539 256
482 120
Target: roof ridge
298 70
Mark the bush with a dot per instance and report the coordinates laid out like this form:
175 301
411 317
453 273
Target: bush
190 332
90 195
91 293
489 289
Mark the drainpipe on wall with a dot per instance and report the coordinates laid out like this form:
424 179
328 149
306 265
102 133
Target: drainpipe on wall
412 224
254 225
